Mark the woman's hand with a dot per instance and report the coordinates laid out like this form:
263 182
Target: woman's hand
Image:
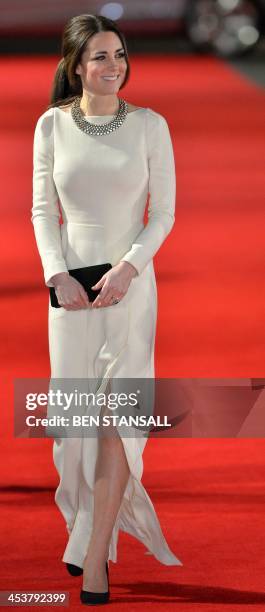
114 284
70 293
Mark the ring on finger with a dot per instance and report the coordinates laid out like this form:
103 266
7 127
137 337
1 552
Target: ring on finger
115 300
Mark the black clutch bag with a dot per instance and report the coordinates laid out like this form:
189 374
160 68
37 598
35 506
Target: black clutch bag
88 277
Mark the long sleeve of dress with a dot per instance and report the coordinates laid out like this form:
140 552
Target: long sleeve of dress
162 190
45 210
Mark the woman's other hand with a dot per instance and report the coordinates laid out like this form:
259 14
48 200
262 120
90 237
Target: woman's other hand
114 284
70 293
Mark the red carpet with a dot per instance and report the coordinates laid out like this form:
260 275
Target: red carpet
209 494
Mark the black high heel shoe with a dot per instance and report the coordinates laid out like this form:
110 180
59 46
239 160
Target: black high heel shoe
90 599
74 570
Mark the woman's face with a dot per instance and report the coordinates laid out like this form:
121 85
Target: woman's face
103 57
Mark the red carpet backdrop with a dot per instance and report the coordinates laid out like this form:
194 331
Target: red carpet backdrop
209 493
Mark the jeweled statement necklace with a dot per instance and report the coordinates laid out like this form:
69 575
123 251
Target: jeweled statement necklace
98 129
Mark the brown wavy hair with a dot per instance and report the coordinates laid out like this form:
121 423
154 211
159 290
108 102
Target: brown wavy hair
77 31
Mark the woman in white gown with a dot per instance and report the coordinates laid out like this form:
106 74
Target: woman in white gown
101 182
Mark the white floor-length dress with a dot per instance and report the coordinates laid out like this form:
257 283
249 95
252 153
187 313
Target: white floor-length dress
102 184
